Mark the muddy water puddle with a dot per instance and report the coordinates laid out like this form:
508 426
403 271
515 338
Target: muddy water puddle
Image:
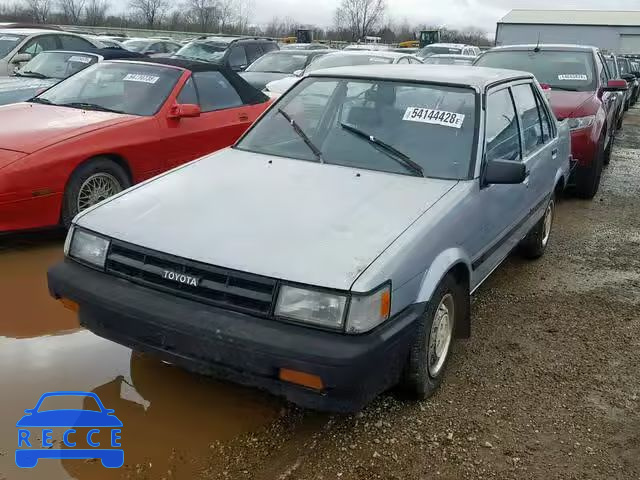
170 417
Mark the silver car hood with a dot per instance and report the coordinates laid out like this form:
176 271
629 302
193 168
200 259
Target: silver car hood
289 219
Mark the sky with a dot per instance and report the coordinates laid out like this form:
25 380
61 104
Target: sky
450 13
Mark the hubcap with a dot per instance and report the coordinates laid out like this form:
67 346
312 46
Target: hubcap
96 188
548 222
440 335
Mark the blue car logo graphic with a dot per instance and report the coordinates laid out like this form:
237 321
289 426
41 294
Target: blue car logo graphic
27 457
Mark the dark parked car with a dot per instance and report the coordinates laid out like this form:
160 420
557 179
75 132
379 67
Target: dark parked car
49 68
279 64
581 91
236 52
632 77
152 47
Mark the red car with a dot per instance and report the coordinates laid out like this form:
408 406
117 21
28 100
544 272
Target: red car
110 126
581 91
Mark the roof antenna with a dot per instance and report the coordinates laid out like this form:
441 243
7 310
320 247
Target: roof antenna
537 49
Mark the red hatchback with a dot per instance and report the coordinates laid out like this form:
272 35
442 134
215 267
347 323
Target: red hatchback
110 126
581 91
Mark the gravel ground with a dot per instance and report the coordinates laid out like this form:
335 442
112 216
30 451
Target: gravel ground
546 388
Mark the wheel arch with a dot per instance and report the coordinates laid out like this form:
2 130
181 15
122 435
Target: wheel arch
456 262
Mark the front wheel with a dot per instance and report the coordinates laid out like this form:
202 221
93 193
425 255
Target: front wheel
588 178
430 351
91 183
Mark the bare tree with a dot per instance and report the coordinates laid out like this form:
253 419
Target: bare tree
72 10
151 11
39 10
202 13
359 17
96 12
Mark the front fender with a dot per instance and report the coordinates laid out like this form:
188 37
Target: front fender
442 264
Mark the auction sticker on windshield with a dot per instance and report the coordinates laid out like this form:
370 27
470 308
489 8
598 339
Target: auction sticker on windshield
573 76
79 59
435 117
138 77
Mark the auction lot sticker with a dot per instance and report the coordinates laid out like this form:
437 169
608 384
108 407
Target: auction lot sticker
79 59
573 76
138 77
435 117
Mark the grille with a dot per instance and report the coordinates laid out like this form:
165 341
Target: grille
217 286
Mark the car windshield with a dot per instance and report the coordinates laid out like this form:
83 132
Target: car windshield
345 60
447 61
561 70
623 65
437 50
130 88
279 62
391 126
8 42
59 65
136 45
208 52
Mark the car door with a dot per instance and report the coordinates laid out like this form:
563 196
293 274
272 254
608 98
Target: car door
38 44
609 99
223 119
75 44
539 145
237 58
156 50
254 52
503 206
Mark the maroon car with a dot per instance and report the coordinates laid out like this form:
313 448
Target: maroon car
581 91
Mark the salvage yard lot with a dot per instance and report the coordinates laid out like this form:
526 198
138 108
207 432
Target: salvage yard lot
546 388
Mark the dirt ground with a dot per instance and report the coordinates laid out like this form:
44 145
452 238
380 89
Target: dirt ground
546 388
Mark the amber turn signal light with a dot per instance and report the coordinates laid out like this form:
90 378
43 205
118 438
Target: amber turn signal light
301 378
70 304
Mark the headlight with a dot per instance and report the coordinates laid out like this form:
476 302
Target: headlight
579 123
327 309
88 247
311 306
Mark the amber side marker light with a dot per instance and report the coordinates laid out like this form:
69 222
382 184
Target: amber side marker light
70 304
385 304
301 378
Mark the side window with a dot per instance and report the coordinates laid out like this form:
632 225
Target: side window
157 47
40 44
237 57
548 131
188 93
269 47
215 92
529 117
171 47
75 43
502 135
254 52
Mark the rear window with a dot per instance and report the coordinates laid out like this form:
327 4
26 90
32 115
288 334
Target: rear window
562 70
438 50
205 51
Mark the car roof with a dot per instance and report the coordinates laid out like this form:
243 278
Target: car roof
548 46
105 53
450 45
300 51
453 55
464 76
192 65
229 40
369 53
30 31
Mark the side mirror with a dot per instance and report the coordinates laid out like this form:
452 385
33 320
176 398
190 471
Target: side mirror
617 85
21 58
298 73
506 172
185 110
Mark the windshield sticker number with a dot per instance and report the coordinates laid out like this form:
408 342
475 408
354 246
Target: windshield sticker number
9 39
573 76
435 117
138 77
79 59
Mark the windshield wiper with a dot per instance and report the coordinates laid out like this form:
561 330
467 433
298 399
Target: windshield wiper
29 73
90 106
391 152
566 89
41 100
316 151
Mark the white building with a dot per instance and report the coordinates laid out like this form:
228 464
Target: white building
616 31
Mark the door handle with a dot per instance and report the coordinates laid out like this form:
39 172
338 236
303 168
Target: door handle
244 117
554 153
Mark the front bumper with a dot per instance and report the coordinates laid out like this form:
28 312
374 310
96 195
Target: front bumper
238 347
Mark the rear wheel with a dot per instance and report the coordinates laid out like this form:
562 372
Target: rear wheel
430 352
91 183
588 178
535 243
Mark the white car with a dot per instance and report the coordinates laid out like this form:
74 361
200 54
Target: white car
449 49
19 45
340 59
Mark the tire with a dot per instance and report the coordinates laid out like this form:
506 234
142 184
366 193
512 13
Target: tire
609 150
620 121
535 243
418 380
588 178
98 168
